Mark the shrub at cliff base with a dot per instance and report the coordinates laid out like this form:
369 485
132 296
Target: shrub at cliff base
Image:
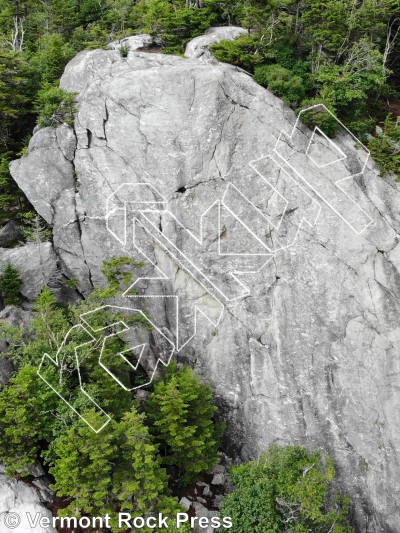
287 489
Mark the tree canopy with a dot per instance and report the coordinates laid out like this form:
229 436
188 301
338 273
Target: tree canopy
342 52
145 451
287 489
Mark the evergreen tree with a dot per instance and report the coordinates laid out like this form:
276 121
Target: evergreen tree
119 14
10 284
84 467
11 198
15 93
385 148
140 482
115 470
27 410
181 412
52 54
34 228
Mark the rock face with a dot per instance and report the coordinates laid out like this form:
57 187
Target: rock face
19 318
37 264
198 48
48 149
306 272
135 42
6 370
9 233
20 499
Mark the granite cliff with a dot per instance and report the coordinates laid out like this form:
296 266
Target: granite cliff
288 283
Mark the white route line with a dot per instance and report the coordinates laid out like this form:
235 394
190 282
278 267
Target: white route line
339 182
87 328
157 204
56 363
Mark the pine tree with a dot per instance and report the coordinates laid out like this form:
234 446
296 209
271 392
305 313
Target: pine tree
27 408
10 284
181 411
11 198
115 470
140 482
84 467
15 105
34 229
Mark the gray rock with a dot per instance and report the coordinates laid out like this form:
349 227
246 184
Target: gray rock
226 459
218 479
200 510
142 394
217 501
218 469
36 470
186 504
198 48
134 42
52 170
6 370
309 355
43 486
207 491
24 500
9 233
66 141
37 264
16 316
204 489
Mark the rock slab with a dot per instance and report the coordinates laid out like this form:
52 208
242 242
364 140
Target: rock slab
306 350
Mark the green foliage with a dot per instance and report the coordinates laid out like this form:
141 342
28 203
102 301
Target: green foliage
140 482
288 488
118 14
71 283
175 24
10 284
243 52
91 10
338 49
27 406
182 420
34 228
320 117
14 97
83 467
319 51
11 197
14 337
93 36
50 58
325 25
281 82
49 326
350 87
385 148
331 27
55 106
124 51
122 467
117 276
